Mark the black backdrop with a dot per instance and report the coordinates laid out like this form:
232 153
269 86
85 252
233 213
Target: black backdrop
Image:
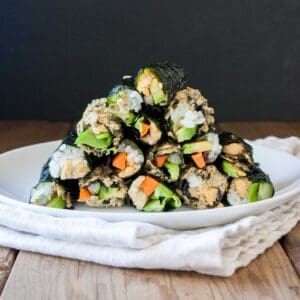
57 55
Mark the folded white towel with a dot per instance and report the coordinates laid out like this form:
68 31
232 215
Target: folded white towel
215 251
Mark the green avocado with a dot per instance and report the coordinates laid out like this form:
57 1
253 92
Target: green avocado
173 170
265 190
99 141
197 147
138 123
253 192
230 170
185 134
162 199
130 118
106 193
158 94
57 202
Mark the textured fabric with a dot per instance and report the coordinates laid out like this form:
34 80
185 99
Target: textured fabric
215 251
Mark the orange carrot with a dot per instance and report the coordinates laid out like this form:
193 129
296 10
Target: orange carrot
199 160
119 161
160 160
84 194
144 129
149 185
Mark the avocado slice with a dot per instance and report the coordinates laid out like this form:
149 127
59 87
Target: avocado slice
253 192
185 134
162 198
138 123
231 170
106 193
157 93
130 119
265 190
197 147
173 170
112 99
57 202
100 141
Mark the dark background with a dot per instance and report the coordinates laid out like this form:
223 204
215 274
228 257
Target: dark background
55 56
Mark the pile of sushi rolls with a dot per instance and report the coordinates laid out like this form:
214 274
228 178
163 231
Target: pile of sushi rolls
69 161
148 194
254 187
165 161
124 102
101 188
99 132
236 156
204 150
188 115
147 130
202 188
128 160
159 82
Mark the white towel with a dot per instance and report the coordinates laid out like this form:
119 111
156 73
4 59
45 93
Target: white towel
215 251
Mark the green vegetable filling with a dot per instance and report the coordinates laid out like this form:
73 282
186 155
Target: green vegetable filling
99 141
162 199
173 170
185 134
57 202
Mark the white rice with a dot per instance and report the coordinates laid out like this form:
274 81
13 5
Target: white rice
217 148
133 154
234 198
186 117
194 181
135 100
61 156
42 193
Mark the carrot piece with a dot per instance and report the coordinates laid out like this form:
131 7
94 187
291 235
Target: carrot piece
160 160
144 129
119 161
84 194
149 185
199 160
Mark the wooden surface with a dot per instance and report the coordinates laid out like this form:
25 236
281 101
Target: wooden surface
25 275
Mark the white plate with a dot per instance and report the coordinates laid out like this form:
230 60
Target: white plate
20 168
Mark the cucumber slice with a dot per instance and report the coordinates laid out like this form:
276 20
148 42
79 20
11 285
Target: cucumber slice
253 192
265 190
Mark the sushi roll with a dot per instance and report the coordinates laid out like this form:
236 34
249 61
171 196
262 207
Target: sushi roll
204 150
165 161
188 115
202 188
254 187
147 130
51 193
68 161
150 195
236 156
128 160
159 82
102 189
99 133
124 103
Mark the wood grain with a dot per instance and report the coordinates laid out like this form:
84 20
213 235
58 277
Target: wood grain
291 244
7 259
36 276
